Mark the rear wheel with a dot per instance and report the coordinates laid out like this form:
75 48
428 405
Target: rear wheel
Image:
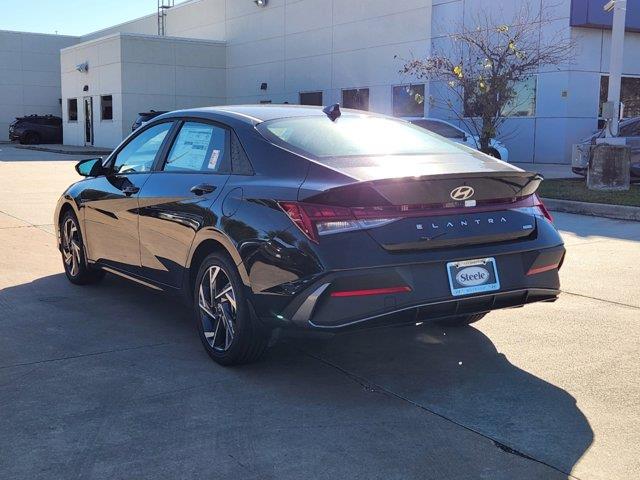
73 253
31 138
460 320
227 328
494 153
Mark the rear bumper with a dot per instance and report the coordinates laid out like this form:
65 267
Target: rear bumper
428 295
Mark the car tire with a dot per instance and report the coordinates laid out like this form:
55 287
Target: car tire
226 323
494 153
74 259
31 138
460 320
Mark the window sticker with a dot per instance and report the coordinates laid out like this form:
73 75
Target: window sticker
213 160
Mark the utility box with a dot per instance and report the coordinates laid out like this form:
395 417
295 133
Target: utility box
609 167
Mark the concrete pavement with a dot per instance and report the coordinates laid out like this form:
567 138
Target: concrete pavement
110 381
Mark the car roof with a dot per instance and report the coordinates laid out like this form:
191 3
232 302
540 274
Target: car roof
254 114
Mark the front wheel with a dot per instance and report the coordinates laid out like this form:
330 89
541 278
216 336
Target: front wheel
460 320
227 328
73 253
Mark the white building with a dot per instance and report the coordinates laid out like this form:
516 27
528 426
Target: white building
29 75
326 51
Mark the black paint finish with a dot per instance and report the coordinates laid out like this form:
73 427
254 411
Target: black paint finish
155 226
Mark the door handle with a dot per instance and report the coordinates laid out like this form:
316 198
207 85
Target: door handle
131 190
203 188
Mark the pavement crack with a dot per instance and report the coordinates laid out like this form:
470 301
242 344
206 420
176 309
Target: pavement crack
33 225
92 354
601 299
371 386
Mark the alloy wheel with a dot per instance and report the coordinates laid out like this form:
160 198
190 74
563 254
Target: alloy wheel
218 309
71 250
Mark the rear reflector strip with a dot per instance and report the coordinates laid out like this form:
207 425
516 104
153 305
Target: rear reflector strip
546 268
372 291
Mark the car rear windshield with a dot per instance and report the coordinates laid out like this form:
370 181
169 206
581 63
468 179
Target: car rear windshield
355 135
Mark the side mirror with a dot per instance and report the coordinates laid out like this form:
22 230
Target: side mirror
91 167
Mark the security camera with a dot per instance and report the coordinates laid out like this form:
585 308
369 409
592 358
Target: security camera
610 5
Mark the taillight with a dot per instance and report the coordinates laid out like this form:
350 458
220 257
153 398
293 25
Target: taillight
318 220
535 207
543 209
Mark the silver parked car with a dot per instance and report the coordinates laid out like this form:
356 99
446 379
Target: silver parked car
629 129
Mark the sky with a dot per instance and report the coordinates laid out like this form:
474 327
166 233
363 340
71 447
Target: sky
70 17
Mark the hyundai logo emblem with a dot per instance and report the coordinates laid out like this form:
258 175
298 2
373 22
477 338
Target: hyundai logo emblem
462 193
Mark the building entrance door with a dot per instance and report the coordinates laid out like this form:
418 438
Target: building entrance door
88 120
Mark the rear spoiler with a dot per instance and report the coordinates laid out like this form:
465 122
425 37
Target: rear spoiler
480 187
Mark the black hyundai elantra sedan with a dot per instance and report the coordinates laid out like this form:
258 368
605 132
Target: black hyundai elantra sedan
263 217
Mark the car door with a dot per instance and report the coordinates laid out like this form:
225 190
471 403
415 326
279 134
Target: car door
110 202
176 200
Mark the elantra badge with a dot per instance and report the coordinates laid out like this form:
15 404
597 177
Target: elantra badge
462 192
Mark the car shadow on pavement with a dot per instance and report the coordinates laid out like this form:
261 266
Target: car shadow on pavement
117 383
458 373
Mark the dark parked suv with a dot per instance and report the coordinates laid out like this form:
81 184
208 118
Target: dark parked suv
34 129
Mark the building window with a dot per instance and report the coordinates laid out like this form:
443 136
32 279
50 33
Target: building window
408 101
106 107
357 98
629 95
72 109
311 98
523 103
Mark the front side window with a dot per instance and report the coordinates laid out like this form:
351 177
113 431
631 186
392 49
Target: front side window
408 101
140 153
355 136
199 147
72 108
357 98
106 107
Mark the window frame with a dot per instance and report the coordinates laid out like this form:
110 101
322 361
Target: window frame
600 85
356 89
393 99
225 166
311 92
69 120
109 163
534 114
102 119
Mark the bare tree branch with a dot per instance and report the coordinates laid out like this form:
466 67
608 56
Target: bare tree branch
483 64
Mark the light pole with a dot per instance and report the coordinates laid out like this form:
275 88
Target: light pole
615 62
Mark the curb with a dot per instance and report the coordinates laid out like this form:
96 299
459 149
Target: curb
65 152
619 212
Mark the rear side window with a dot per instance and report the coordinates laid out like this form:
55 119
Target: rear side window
199 147
355 136
440 128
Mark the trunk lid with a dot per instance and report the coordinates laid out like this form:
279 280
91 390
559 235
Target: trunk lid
433 203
